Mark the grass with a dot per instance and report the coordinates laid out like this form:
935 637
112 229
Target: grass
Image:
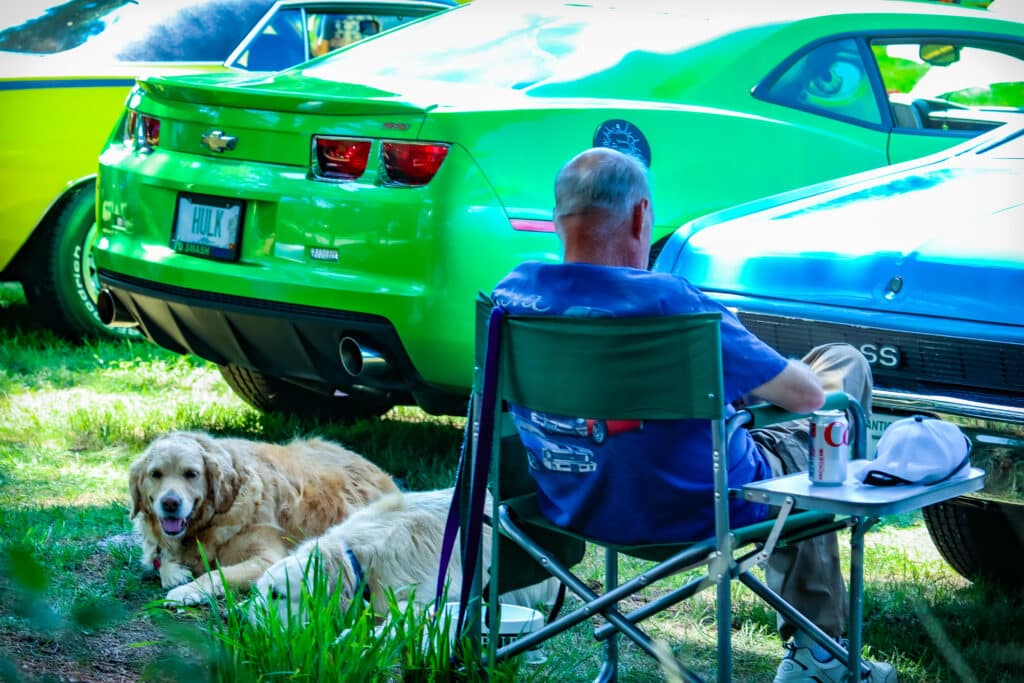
75 602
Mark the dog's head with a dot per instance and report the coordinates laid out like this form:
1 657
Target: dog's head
182 479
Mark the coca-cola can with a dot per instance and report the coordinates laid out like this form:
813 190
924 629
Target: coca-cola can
830 447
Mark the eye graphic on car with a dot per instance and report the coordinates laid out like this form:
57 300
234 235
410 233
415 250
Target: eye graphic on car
218 142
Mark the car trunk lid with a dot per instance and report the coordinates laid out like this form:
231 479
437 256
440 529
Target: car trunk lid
288 91
270 119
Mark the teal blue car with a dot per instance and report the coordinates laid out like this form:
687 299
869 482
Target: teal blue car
320 233
920 267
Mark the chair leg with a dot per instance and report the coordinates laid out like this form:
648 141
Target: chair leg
724 619
609 672
789 612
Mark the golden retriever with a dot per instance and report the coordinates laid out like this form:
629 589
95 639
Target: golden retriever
245 502
392 544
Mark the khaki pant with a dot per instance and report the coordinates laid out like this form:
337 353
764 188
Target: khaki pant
808 575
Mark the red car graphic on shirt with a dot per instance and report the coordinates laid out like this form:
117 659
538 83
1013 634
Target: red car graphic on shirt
597 430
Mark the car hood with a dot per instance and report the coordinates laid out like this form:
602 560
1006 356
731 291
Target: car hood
942 242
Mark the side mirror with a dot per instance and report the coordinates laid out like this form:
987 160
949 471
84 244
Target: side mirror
939 55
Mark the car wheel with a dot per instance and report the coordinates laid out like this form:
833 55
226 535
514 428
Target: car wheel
980 539
599 432
275 395
60 282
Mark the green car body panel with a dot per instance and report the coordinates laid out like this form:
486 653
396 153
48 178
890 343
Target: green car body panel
84 57
403 264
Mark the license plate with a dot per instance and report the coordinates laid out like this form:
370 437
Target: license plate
207 226
876 425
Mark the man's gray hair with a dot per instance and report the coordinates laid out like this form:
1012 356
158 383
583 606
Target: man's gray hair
600 178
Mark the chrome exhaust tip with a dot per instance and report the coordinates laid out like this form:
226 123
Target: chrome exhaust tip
111 312
362 361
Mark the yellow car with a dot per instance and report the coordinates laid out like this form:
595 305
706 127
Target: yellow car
66 68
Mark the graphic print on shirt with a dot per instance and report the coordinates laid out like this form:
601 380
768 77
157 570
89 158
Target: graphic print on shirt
546 450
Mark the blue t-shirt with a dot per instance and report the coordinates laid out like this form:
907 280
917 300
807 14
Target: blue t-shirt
626 481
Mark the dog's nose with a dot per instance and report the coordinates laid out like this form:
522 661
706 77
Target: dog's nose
170 504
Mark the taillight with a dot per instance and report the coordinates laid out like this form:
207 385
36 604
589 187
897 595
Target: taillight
530 225
150 130
131 122
339 158
410 163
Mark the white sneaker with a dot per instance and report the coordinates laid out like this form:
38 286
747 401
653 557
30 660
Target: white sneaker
800 666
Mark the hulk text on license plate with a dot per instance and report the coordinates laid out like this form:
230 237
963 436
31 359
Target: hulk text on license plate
207 226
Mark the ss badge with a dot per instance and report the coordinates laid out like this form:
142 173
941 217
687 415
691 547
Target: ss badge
881 354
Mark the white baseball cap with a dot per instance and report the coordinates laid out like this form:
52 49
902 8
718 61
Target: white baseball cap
916 450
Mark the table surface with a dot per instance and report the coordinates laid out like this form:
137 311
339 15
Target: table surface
854 498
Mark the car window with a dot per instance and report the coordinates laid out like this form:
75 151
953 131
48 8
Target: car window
280 43
285 41
951 85
331 30
830 79
136 30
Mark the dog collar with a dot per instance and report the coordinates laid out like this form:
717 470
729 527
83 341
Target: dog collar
357 569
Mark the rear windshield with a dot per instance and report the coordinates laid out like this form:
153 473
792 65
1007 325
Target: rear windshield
130 30
507 45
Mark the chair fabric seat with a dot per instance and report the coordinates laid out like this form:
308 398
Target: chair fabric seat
526 511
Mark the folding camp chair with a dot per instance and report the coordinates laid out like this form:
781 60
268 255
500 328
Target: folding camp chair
624 369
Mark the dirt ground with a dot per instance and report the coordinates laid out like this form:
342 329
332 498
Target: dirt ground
114 654
105 657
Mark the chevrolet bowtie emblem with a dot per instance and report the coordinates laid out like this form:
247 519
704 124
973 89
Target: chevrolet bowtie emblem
218 142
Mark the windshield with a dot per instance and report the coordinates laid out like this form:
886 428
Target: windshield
130 30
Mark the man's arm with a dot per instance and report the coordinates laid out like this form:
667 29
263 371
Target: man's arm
796 389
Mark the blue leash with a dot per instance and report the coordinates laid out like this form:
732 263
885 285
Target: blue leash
478 485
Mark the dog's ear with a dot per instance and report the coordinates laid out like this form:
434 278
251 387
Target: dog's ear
222 479
135 473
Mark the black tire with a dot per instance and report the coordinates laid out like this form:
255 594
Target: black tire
275 395
60 278
979 539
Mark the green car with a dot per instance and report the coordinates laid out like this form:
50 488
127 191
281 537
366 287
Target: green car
320 234
66 68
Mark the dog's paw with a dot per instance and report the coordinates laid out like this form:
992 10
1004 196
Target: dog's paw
189 594
173 574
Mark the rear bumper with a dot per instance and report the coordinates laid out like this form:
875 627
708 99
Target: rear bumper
294 342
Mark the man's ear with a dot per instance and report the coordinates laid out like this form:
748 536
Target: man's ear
638 219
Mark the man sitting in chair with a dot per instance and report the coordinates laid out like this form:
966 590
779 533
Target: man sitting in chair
645 483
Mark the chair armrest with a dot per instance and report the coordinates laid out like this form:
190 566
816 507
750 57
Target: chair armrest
763 414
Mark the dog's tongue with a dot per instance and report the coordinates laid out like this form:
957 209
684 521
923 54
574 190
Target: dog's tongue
173 525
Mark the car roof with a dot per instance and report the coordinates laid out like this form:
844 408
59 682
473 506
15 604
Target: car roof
368 5
740 13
